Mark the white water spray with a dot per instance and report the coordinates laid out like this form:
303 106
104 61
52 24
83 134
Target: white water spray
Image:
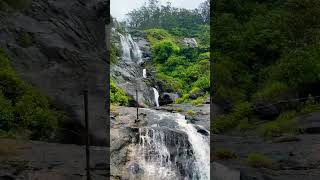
160 162
144 73
156 96
130 49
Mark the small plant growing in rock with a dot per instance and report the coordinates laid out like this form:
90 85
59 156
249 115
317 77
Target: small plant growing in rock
25 40
258 160
224 154
191 113
180 110
310 105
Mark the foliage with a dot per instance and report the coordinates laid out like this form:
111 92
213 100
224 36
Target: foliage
310 105
117 95
271 91
153 15
190 112
163 50
264 51
224 154
23 106
285 123
258 160
242 111
6 114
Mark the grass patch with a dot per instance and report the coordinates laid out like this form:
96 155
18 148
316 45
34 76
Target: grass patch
180 110
285 123
224 154
191 113
258 160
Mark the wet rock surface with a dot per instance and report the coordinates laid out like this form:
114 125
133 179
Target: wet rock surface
125 133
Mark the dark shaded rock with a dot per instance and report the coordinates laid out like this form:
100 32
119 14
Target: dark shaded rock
168 98
265 110
136 169
196 95
203 131
285 138
67 56
310 123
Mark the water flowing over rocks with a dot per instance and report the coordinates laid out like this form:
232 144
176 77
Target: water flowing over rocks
128 72
161 145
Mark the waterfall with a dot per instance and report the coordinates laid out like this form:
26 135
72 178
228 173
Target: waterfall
130 49
156 96
171 148
144 73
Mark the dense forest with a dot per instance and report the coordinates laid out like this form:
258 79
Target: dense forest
266 56
179 68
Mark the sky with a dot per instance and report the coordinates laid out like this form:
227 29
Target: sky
119 8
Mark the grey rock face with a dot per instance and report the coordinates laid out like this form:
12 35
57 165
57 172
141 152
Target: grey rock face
191 42
67 56
311 123
221 172
128 75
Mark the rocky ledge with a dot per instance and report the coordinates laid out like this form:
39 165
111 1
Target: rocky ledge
40 160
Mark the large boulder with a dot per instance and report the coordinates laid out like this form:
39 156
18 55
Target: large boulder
67 54
168 98
265 110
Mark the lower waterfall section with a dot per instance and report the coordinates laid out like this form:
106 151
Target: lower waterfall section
170 148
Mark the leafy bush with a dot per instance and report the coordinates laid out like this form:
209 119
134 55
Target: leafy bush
156 35
33 110
299 67
6 114
242 110
271 91
23 106
170 84
117 95
224 154
163 50
285 123
309 106
223 123
258 160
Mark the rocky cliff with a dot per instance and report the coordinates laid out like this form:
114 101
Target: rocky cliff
59 47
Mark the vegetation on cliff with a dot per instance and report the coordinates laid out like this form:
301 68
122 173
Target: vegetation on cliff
180 68
22 107
265 52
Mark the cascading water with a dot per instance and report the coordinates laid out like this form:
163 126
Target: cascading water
144 73
130 49
166 147
156 96
170 148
